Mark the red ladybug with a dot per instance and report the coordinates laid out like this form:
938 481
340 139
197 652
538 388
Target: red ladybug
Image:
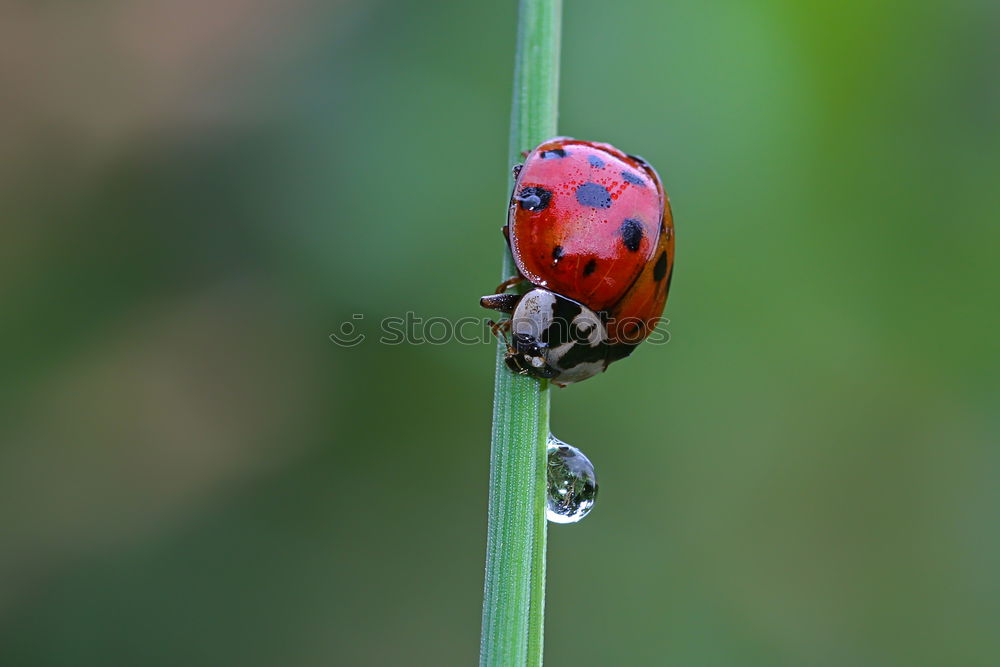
590 228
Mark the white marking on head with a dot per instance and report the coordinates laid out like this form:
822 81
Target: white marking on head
533 314
588 324
580 372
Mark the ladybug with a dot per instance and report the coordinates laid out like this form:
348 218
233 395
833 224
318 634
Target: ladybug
590 229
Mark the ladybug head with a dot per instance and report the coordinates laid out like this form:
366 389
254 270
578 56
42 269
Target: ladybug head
556 338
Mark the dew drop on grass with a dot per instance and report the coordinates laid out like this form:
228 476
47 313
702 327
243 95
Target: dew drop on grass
572 485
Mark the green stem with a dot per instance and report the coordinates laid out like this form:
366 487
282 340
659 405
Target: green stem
514 596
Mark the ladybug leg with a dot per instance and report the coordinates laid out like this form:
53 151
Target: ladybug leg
513 364
524 154
507 284
516 169
500 330
505 303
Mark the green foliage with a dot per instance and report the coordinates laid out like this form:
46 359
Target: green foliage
514 595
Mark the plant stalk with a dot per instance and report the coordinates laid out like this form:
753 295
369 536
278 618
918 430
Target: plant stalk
514 592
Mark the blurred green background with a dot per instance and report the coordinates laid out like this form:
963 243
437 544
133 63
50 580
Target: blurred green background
196 194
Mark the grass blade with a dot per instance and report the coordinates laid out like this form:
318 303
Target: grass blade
514 595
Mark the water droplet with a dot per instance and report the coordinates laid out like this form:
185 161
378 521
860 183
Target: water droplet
572 483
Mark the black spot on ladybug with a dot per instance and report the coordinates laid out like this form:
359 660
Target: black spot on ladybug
565 309
557 253
593 195
631 231
660 270
589 267
534 198
581 353
554 154
634 179
619 351
595 162
560 330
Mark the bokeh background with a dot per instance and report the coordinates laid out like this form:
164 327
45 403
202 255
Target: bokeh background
196 194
